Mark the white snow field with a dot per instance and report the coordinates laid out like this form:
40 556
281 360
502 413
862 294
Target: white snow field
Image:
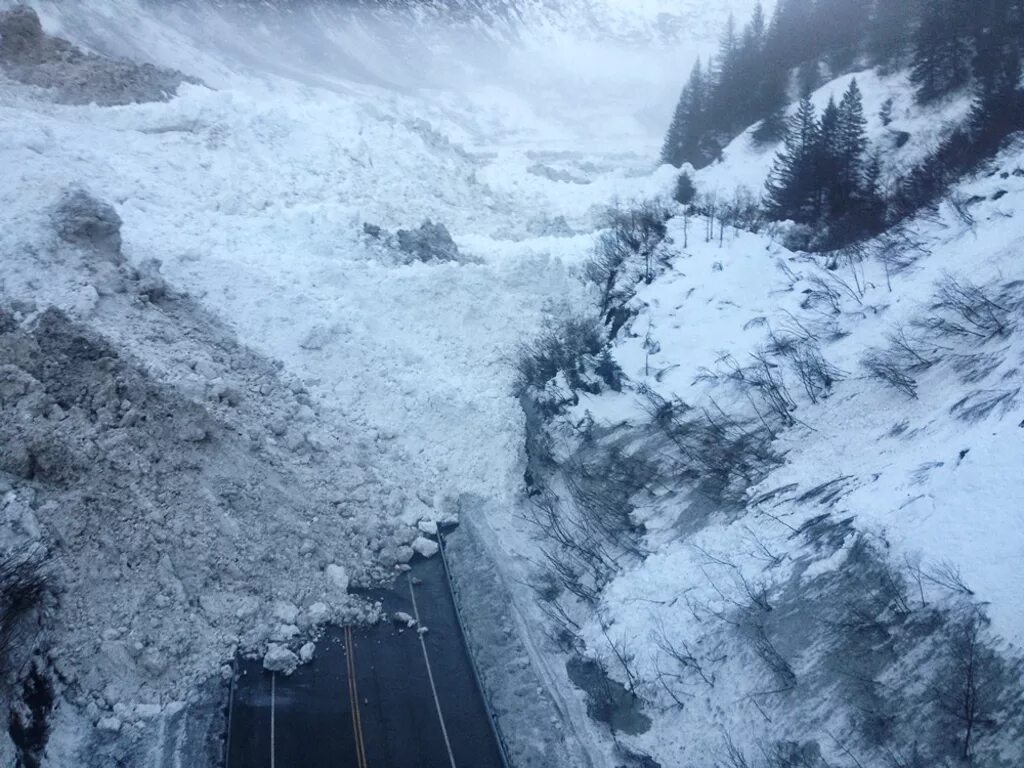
748 623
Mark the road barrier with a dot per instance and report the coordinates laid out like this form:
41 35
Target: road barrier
453 589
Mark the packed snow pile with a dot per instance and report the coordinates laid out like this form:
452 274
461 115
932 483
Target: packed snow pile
783 508
188 496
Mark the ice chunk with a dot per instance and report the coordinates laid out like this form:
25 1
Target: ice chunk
401 617
109 724
424 546
337 577
279 659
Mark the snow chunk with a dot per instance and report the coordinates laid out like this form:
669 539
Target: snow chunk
337 576
428 527
318 614
109 724
306 652
401 617
424 546
279 659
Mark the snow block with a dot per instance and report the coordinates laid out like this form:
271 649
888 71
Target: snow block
279 659
425 546
337 577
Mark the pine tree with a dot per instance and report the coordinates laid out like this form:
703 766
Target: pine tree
830 192
682 144
942 55
853 140
872 197
890 31
841 25
727 76
793 183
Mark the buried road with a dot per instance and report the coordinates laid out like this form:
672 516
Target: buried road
385 696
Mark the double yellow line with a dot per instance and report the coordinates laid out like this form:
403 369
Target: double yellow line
353 693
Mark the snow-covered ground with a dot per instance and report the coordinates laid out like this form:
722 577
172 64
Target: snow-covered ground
791 614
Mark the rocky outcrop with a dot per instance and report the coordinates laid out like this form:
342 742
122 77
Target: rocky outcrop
30 56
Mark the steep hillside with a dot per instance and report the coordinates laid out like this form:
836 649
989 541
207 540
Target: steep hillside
783 508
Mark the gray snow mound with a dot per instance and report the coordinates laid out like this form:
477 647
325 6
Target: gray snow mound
30 56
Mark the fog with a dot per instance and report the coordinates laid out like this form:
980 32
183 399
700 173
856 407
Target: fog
605 72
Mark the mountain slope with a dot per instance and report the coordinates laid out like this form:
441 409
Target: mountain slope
796 528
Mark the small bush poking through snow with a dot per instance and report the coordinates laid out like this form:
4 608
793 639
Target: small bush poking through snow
22 587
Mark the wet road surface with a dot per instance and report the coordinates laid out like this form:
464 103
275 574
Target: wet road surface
382 696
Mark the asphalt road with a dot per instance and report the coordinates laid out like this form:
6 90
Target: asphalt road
367 698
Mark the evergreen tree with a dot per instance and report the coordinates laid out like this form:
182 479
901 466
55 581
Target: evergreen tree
792 187
688 124
853 142
841 25
942 55
890 31
872 199
830 192
728 78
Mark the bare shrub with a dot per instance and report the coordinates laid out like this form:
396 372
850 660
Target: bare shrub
898 249
797 344
960 204
822 296
577 557
982 403
23 584
627 252
897 364
887 368
762 381
567 350
970 686
965 310
603 483
690 667
722 455
743 211
731 756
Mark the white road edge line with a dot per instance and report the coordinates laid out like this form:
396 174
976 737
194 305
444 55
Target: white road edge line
273 705
430 675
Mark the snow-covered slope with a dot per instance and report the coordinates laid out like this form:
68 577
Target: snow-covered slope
826 491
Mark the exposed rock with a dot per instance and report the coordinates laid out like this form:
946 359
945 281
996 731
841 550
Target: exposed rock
30 56
21 34
84 221
431 242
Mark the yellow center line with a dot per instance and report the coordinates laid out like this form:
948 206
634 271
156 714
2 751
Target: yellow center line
353 692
